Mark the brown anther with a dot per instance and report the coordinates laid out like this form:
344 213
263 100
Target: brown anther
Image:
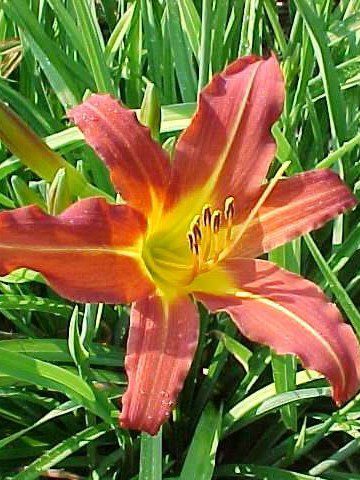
206 215
229 208
206 244
194 246
191 240
197 220
197 233
215 221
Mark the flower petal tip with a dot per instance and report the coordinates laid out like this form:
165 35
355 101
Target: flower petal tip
150 425
126 148
352 385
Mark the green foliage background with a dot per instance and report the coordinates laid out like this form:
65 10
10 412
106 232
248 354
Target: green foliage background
244 413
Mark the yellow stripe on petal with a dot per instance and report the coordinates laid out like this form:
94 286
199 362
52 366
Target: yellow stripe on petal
89 253
228 147
299 321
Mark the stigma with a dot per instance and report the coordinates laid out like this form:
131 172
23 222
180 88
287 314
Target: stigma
209 234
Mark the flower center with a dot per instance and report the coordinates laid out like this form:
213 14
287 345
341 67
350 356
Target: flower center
210 235
173 265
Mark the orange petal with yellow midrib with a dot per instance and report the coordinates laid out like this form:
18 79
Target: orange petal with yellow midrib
297 205
89 253
139 167
228 147
291 315
162 342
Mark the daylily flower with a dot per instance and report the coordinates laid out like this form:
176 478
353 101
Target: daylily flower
190 231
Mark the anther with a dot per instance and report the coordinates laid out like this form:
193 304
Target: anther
191 241
215 221
205 239
206 215
229 212
197 233
196 221
194 246
254 211
229 208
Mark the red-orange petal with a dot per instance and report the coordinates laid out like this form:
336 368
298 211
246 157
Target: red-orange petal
139 167
162 342
89 253
296 206
228 147
292 315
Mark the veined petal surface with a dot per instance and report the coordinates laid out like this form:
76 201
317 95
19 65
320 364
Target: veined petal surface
228 147
162 342
139 167
290 314
296 206
89 253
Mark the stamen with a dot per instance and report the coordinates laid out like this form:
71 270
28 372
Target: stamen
194 247
191 241
215 221
229 212
229 208
197 233
206 241
215 227
206 234
196 221
206 215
